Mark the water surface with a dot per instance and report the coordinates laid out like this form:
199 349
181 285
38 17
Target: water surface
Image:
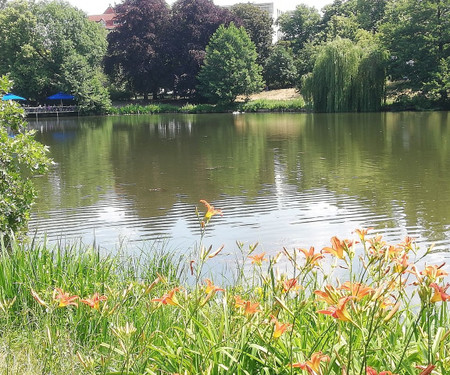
283 180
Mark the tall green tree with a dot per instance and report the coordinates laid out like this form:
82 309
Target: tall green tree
193 24
279 70
346 77
40 43
137 49
230 67
20 154
417 34
299 26
258 24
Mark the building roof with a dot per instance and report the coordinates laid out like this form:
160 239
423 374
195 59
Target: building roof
106 19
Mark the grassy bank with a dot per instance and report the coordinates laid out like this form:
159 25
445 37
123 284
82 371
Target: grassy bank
75 311
258 105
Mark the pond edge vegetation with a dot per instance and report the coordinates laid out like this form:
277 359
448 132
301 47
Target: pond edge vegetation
370 308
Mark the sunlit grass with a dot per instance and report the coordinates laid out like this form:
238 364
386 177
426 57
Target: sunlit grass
358 306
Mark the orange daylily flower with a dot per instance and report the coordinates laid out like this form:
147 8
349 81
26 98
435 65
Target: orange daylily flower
439 293
394 252
377 245
65 299
330 296
258 259
94 302
239 302
357 290
311 257
251 308
313 365
211 211
434 272
210 290
339 312
362 233
401 264
280 328
338 247
210 287
371 371
290 285
426 370
169 298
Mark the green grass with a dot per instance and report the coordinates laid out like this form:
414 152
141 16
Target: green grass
273 105
156 316
251 106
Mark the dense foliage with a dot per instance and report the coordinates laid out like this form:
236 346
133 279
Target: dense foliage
279 69
137 48
19 154
413 35
258 25
48 47
230 67
193 24
346 77
157 48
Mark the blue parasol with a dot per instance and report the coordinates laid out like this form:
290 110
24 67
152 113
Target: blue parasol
61 96
12 97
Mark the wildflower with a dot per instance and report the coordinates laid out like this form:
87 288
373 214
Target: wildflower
169 298
377 246
434 272
211 211
65 299
401 264
94 302
239 302
371 371
338 247
313 365
339 312
439 293
407 243
394 252
251 308
311 257
330 296
426 370
210 287
290 285
280 328
357 290
362 233
258 259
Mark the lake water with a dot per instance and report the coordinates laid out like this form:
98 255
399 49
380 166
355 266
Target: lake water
283 180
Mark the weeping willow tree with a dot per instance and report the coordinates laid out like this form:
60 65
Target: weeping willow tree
347 77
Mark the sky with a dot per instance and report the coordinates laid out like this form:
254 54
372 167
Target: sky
99 6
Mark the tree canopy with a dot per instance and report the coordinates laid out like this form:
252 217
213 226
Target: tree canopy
417 35
258 24
137 47
19 154
54 47
193 24
230 67
346 77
